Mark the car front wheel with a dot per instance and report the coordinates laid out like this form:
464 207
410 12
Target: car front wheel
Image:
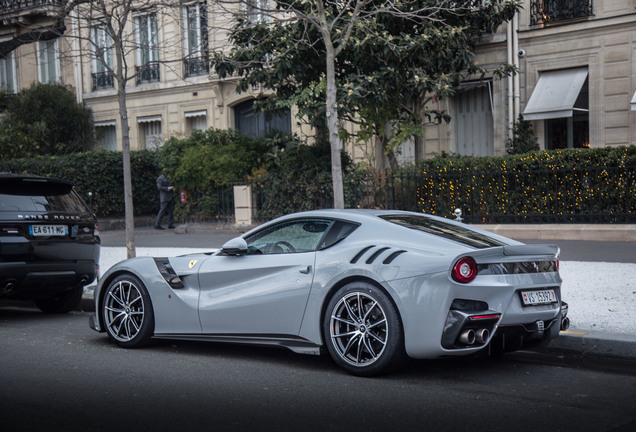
127 312
363 331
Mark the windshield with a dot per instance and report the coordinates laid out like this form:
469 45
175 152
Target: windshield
443 229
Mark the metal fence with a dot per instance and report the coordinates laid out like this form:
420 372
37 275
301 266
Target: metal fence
591 196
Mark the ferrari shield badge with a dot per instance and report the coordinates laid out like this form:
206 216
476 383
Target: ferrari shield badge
192 263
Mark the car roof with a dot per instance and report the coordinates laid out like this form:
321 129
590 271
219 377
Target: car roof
17 183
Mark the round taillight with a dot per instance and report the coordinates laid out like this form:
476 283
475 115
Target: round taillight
464 270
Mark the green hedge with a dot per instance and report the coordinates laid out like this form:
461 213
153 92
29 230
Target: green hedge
574 185
101 173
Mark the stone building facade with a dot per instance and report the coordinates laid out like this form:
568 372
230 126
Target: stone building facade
576 81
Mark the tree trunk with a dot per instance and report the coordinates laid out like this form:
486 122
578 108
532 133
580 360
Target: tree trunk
332 125
125 147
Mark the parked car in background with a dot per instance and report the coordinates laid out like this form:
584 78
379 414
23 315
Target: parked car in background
49 242
368 286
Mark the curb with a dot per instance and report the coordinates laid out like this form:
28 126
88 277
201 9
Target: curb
596 344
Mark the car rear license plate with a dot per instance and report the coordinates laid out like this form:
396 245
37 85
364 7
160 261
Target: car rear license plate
538 297
48 230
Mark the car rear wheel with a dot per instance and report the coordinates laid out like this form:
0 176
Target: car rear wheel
127 311
363 331
62 302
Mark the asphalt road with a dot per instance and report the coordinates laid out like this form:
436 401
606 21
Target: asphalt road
57 374
571 250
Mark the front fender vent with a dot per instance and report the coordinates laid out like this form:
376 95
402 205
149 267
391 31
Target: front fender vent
168 273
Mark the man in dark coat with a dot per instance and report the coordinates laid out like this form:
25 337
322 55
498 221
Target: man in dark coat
165 198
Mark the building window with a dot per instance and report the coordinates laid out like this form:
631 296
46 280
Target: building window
147 39
7 74
256 10
150 136
48 62
195 18
473 120
573 131
106 135
548 12
102 63
196 120
255 123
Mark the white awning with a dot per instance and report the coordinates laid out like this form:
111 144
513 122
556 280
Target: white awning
201 113
149 119
105 123
555 94
633 103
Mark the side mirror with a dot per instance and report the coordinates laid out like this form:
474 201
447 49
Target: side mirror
235 247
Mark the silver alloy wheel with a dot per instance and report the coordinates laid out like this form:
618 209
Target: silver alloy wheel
124 310
358 329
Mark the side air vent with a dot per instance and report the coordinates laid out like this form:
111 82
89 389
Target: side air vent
168 273
393 256
377 253
359 254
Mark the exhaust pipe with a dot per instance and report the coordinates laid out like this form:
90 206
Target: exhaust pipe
482 335
83 281
8 287
565 324
467 337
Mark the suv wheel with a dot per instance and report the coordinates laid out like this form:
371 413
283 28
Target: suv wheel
62 302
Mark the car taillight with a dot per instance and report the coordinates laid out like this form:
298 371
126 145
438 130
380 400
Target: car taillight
464 270
96 231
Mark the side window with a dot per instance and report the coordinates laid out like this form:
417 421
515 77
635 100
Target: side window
296 236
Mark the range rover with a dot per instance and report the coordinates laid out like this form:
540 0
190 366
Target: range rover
49 242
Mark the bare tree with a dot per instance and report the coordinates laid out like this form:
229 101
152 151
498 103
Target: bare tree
120 39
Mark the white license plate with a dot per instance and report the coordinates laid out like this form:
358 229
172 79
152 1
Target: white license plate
48 230
538 297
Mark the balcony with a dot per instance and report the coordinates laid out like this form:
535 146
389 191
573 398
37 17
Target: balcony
148 73
103 80
12 10
550 12
195 66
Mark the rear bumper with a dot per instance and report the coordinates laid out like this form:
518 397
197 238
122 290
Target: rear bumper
23 280
524 336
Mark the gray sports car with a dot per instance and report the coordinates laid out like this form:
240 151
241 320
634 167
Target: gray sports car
370 286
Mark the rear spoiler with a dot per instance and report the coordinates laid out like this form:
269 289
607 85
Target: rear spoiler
535 249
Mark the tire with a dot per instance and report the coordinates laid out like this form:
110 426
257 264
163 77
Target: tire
127 311
363 331
62 302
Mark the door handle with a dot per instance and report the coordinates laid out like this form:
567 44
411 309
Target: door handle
306 270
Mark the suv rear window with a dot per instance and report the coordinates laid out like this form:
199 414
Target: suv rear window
445 230
69 203
39 195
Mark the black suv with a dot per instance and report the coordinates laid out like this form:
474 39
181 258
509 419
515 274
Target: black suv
49 242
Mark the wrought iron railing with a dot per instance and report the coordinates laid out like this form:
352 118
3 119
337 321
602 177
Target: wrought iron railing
148 73
546 12
592 196
103 80
195 66
12 6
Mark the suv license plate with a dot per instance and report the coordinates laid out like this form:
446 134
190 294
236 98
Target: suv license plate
48 230
538 297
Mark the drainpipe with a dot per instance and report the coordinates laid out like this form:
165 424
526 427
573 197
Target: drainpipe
511 114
